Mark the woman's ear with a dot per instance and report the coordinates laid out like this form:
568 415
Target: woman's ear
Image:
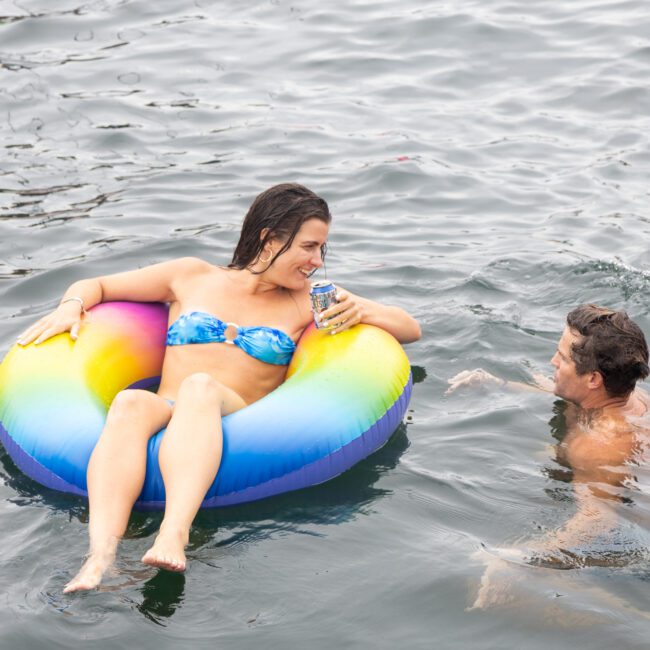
263 233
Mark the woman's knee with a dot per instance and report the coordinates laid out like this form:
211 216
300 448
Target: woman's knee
203 388
127 404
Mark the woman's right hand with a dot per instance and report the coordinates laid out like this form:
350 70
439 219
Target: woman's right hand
65 318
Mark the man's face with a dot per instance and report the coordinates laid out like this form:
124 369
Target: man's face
569 385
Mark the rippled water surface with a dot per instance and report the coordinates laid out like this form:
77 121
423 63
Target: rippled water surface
487 166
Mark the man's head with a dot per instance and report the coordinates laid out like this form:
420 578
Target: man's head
600 350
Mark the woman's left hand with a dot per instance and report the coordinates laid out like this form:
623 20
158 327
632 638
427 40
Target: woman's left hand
345 313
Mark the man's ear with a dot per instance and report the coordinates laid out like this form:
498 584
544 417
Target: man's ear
595 380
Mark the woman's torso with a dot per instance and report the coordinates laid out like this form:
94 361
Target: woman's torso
223 294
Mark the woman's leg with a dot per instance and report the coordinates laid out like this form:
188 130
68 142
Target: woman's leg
115 477
189 457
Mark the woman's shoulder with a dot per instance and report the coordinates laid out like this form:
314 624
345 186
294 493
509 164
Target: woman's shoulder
193 266
187 271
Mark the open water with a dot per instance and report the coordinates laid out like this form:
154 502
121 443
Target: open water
487 165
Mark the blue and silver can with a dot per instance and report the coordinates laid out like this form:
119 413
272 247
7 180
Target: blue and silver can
322 294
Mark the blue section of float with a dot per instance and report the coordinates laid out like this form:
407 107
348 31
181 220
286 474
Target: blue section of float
251 470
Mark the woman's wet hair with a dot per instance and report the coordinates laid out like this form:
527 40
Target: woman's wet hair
612 344
281 210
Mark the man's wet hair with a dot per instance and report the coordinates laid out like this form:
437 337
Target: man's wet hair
611 344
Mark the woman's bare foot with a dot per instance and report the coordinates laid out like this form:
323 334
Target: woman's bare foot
90 574
168 551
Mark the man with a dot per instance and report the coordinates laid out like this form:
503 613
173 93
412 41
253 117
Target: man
601 356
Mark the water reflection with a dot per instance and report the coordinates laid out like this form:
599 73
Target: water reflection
560 471
162 595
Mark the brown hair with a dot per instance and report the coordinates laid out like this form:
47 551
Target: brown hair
611 344
282 209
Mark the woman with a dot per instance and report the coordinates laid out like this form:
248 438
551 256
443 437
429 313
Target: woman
262 301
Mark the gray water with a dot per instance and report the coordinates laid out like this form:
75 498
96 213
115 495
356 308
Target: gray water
487 167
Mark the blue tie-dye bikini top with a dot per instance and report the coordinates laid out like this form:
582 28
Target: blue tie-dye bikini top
264 343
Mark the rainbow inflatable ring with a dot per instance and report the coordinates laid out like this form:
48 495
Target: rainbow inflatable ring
343 398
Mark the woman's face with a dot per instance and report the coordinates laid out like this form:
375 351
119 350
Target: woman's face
293 267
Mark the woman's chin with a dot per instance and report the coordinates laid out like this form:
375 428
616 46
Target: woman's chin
301 281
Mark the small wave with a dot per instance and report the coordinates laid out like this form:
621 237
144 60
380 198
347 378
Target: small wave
632 282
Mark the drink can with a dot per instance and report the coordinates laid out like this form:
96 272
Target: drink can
322 294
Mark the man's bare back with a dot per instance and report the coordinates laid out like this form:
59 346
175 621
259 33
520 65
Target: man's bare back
600 447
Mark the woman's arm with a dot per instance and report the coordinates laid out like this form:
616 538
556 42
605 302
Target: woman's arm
155 283
351 310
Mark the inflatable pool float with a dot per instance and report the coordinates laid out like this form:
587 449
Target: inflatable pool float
343 398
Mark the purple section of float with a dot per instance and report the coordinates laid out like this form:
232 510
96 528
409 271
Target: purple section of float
32 468
145 383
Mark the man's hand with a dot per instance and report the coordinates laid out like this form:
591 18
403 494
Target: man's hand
475 377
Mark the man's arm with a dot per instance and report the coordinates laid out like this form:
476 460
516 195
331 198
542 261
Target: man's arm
480 377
